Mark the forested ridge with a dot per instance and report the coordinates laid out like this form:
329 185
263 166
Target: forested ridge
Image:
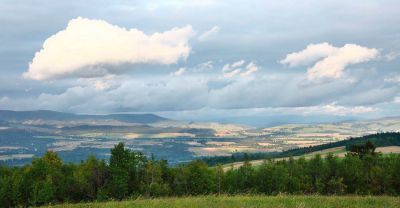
129 174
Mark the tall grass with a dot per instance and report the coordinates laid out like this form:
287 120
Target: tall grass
253 201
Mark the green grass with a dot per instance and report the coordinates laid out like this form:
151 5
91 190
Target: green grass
338 151
254 201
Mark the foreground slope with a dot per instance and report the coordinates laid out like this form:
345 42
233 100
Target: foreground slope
386 143
336 151
254 201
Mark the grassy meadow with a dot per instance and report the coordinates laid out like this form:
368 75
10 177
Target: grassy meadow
253 201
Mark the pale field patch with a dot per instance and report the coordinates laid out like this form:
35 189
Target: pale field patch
11 147
168 135
65 145
220 151
306 143
221 143
319 135
131 136
193 143
100 144
389 149
302 142
266 144
92 134
52 137
15 156
224 133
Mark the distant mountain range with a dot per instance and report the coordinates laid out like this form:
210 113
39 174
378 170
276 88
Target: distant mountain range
21 116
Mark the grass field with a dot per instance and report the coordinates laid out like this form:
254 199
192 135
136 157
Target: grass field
254 201
338 151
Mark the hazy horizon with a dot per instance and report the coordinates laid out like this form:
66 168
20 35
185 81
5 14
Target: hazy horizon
260 121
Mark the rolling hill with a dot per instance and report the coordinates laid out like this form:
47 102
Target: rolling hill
385 142
21 116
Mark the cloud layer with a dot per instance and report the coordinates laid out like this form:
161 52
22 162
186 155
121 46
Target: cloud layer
226 33
93 48
333 109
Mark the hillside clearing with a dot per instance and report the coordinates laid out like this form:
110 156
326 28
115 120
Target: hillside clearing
388 150
337 151
253 201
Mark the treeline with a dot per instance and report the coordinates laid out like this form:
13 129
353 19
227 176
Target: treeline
239 157
130 174
379 139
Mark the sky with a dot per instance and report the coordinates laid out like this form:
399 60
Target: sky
256 62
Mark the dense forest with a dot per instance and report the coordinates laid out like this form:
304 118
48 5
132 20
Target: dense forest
379 140
130 174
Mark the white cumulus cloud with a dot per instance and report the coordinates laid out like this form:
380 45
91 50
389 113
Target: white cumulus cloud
334 65
93 48
330 61
311 53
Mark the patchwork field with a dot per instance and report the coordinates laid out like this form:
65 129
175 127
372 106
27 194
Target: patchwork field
75 137
254 201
